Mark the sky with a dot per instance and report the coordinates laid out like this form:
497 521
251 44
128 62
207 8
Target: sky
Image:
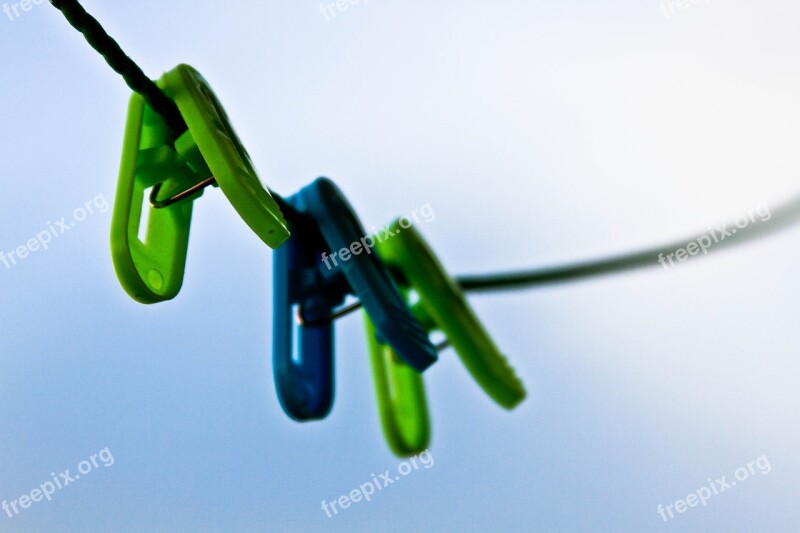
540 133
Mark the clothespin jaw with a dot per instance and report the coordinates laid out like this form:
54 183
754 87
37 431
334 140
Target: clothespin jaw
152 270
400 393
368 278
303 370
441 299
322 221
441 306
225 155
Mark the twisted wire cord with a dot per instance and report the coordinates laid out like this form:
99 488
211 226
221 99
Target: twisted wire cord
781 218
116 58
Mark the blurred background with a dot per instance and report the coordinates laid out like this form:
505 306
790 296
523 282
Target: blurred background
539 133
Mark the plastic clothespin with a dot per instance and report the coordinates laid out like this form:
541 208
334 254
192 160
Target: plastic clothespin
310 288
152 270
442 306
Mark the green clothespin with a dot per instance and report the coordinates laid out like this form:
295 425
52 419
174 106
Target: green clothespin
209 152
442 306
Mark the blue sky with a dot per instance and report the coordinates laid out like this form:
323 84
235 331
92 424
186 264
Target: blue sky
539 133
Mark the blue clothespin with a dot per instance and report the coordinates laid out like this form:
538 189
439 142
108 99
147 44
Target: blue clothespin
308 288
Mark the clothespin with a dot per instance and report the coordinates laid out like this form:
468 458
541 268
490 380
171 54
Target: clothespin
442 306
309 288
177 170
